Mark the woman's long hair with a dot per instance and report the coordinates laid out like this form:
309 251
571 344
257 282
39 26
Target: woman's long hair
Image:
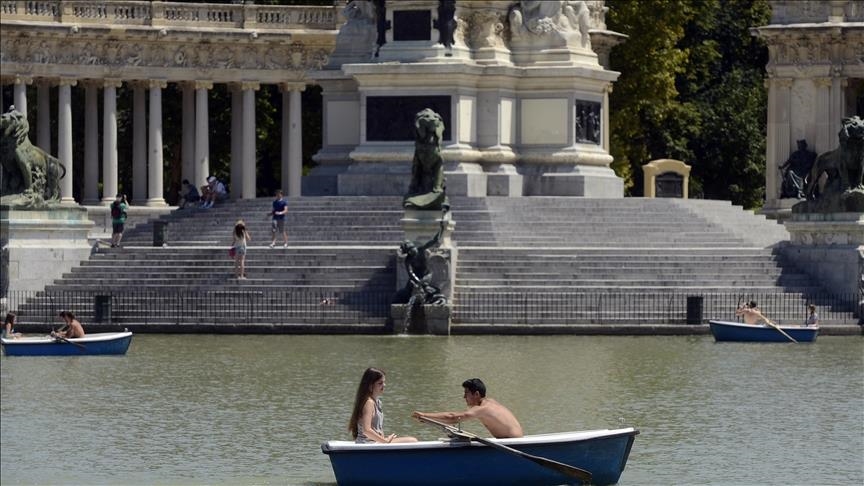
370 376
240 229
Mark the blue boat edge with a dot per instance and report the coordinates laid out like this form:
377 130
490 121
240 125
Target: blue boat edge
97 344
727 331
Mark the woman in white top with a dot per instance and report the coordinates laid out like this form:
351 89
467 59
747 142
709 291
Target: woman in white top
367 419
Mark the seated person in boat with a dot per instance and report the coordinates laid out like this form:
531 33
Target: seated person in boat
813 318
8 325
367 419
498 420
751 313
72 329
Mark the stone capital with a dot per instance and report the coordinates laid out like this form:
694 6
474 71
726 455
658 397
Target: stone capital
67 82
247 85
823 82
783 82
112 83
157 83
286 87
202 84
19 79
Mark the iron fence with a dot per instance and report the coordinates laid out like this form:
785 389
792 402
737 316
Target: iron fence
623 307
364 306
160 307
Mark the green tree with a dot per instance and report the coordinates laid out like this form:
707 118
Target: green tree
691 89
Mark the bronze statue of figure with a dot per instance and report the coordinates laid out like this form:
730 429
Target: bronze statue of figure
446 23
843 172
796 171
29 176
426 190
420 288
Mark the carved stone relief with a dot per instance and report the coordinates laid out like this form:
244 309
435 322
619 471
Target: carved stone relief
485 29
105 52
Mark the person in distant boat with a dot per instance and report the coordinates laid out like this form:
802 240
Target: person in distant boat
72 329
498 420
367 418
751 313
8 327
813 318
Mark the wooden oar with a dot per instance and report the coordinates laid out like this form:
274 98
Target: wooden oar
781 331
64 340
566 469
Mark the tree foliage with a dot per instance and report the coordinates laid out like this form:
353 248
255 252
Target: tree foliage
691 89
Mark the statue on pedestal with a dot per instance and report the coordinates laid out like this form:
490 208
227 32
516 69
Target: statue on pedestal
427 269
796 171
843 169
29 176
426 190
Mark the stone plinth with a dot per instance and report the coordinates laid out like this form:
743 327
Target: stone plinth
829 247
420 226
427 319
39 246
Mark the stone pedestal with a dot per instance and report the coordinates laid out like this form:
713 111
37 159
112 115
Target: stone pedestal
830 248
39 246
427 319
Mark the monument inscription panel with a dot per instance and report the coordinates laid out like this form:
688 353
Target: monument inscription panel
391 118
669 184
412 25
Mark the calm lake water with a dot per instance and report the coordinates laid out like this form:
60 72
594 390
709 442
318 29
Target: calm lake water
242 410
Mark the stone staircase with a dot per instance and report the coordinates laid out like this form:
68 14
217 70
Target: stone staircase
523 262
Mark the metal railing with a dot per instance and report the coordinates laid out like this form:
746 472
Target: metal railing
366 306
208 308
587 307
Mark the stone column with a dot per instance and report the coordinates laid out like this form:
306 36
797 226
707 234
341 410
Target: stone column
201 166
64 137
155 184
249 89
838 105
292 139
20 93
43 114
90 194
778 143
236 140
139 142
188 148
109 139
822 114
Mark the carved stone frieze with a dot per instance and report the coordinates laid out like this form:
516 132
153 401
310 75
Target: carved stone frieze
113 56
559 23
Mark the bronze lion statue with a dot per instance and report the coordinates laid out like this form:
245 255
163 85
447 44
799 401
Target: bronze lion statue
836 181
29 176
426 190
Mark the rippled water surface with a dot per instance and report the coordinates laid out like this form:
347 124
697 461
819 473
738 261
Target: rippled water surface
255 409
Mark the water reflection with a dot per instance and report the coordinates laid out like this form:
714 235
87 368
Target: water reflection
255 409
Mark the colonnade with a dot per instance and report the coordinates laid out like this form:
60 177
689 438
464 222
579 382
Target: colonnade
147 145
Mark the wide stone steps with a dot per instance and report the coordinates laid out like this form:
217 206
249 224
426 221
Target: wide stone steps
522 261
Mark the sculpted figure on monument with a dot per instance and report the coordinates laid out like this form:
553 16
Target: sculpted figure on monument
843 170
29 177
446 23
796 171
569 19
427 269
426 190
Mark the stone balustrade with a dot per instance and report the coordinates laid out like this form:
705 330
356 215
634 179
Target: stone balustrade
816 11
170 14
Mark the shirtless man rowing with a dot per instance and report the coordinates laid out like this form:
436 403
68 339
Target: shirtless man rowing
752 315
498 420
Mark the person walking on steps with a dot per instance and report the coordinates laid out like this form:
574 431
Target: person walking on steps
241 237
280 209
118 219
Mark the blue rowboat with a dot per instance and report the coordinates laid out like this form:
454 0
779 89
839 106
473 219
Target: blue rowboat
457 461
737 331
91 344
